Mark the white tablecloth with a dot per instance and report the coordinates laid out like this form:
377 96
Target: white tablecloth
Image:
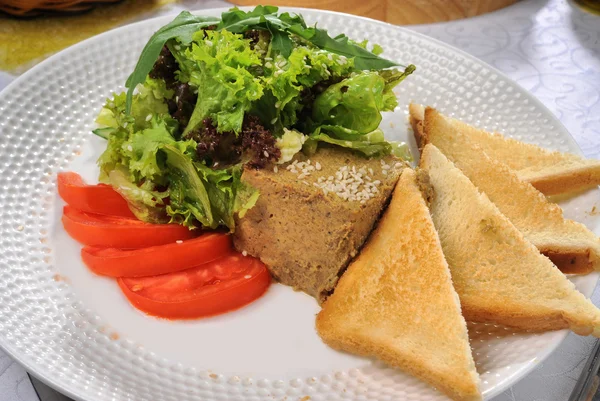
553 50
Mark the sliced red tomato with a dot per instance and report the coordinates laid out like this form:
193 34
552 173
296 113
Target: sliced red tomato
213 288
119 232
100 199
156 260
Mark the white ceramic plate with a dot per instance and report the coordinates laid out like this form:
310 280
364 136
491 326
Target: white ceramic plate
76 332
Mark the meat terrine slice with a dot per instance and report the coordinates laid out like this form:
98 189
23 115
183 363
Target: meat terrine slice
314 214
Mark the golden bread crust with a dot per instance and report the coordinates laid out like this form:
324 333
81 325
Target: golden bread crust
499 276
550 172
396 301
572 247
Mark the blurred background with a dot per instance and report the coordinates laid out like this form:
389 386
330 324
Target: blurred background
31 30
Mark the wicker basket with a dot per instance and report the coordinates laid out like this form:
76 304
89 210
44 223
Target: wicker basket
28 8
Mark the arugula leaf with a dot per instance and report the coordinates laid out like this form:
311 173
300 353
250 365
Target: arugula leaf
295 19
261 17
363 59
182 27
238 21
280 42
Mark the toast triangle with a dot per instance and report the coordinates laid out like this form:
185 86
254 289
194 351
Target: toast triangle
570 245
396 301
499 276
550 172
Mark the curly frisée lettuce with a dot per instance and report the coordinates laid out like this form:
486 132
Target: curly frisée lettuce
158 177
225 85
210 97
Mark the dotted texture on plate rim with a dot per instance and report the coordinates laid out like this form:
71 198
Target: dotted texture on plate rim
56 336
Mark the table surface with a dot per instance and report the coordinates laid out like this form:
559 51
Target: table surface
552 49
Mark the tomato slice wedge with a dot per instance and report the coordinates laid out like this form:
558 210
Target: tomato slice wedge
119 232
154 260
213 288
100 199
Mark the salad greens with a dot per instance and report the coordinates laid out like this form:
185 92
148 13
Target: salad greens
148 166
211 96
283 25
356 102
226 87
182 28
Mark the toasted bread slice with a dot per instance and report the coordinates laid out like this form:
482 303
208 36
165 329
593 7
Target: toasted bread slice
396 301
550 172
499 276
570 245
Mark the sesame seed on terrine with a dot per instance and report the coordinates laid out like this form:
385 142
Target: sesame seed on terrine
314 214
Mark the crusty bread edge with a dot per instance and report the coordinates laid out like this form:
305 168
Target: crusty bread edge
416 117
535 319
547 183
348 343
570 260
576 179
356 343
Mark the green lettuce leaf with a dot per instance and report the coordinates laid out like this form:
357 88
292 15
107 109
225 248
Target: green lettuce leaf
285 79
113 157
365 147
245 195
372 144
103 133
220 193
401 150
354 103
227 193
188 197
142 150
226 89
145 203
136 163
148 102
155 155
392 79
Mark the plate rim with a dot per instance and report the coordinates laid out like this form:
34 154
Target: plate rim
63 388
